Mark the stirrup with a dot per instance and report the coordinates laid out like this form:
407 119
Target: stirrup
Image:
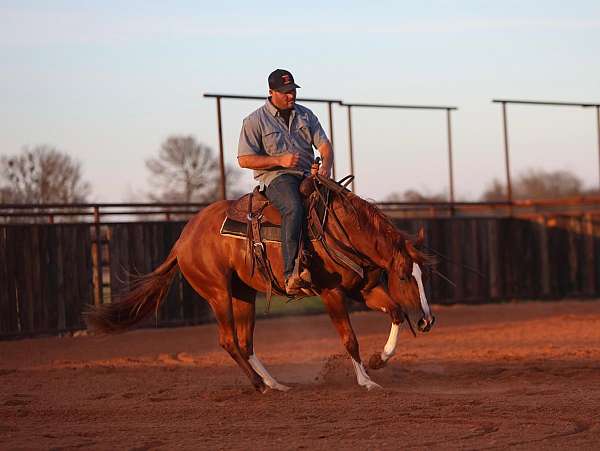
305 276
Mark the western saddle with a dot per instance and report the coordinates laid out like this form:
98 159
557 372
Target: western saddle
253 218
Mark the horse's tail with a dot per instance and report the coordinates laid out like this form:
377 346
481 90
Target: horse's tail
129 308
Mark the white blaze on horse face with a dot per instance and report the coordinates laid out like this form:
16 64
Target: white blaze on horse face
362 377
390 347
267 378
416 272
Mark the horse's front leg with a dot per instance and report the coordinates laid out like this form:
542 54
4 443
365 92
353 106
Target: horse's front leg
334 302
377 298
378 361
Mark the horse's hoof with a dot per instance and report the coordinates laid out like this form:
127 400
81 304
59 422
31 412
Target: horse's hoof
376 362
425 325
281 387
261 388
370 385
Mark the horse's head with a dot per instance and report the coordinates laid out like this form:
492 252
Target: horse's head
405 281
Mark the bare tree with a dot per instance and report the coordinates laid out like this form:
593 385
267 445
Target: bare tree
6 195
412 195
536 184
42 175
185 171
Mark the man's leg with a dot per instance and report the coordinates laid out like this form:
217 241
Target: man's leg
284 194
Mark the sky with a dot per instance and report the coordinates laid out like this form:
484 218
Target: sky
109 81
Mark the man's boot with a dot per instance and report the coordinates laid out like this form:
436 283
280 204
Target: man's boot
299 279
306 277
294 284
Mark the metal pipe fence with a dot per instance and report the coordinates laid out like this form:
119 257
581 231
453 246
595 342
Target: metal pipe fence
107 213
505 102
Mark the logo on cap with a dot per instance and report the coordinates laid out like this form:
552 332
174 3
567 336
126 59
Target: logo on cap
282 80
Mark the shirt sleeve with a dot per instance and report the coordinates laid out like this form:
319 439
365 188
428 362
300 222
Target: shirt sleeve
317 133
250 139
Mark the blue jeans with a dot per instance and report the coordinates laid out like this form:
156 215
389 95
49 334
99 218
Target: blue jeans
284 194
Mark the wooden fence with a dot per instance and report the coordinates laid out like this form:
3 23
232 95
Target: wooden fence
138 248
45 277
48 273
508 258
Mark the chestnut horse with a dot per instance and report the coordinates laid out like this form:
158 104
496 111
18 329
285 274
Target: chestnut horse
220 270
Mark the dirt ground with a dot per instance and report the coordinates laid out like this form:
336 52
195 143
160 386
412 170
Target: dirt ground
523 375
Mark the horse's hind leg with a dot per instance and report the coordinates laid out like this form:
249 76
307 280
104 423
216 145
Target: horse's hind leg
223 311
243 298
334 301
218 296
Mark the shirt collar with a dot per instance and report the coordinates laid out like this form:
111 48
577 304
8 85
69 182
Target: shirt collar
273 109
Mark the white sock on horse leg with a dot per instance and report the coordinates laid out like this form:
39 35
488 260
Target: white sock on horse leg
362 377
416 272
390 347
262 372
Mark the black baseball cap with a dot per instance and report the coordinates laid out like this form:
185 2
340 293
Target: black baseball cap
282 80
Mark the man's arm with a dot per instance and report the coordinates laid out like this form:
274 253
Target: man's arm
260 162
321 142
252 156
326 153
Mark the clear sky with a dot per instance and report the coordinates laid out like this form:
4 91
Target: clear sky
108 81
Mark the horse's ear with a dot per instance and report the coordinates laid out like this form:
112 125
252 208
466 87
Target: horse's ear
420 237
414 253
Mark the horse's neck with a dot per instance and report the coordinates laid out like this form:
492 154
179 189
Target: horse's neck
374 246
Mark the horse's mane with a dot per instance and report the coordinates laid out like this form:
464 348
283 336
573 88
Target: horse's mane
372 219
376 222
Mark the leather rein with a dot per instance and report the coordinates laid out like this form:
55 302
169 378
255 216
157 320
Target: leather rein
342 253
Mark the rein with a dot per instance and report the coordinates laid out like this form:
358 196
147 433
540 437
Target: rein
336 254
449 260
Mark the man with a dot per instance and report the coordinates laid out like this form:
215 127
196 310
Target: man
277 143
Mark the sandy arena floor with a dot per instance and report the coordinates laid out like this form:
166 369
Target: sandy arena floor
520 375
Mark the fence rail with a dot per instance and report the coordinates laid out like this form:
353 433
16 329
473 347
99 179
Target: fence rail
127 212
49 273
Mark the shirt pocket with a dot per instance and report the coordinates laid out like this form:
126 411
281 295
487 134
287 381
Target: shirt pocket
273 141
303 132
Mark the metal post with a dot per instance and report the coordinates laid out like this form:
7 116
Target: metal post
450 166
331 137
598 124
221 157
506 159
98 257
350 147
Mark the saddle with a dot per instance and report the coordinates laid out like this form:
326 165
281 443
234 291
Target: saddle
253 218
254 204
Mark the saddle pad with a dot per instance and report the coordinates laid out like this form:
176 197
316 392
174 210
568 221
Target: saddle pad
268 232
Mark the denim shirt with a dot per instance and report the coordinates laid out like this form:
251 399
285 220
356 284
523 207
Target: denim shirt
265 132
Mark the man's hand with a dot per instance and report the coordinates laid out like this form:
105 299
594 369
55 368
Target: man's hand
289 160
325 170
293 160
327 156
